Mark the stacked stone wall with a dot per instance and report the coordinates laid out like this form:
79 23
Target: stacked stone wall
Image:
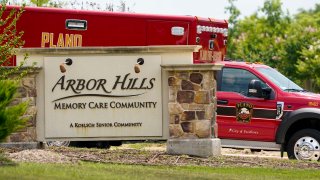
191 104
26 92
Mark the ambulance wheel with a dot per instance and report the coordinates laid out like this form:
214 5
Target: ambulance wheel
93 144
103 144
115 143
304 145
58 143
255 150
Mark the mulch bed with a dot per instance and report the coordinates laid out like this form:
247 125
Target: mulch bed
148 157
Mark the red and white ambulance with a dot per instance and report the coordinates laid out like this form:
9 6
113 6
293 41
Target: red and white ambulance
257 107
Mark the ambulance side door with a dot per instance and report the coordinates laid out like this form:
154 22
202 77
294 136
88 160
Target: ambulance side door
240 116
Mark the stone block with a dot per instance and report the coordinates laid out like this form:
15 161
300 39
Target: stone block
208 81
32 110
28 82
30 121
196 78
185 106
197 87
202 97
31 100
21 145
203 128
14 137
185 96
188 115
196 107
15 101
32 93
172 81
171 73
187 127
175 130
175 108
22 92
174 119
32 132
194 147
209 111
186 85
189 136
172 94
200 115
28 136
183 75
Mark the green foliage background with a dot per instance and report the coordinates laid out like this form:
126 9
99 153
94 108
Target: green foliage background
275 38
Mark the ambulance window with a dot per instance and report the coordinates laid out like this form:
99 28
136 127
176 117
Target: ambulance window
211 44
76 24
237 80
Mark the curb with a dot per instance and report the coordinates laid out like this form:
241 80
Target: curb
23 145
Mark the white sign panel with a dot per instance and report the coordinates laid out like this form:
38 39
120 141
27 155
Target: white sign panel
103 96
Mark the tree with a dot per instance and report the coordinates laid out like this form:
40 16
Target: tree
39 3
309 65
56 4
123 7
107 6
10 39
273 37
232 22
259 36
308 55
10 115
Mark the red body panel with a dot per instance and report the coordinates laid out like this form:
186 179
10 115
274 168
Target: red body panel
46 27
262 129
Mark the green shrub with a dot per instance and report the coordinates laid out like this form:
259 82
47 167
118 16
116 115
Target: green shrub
11 118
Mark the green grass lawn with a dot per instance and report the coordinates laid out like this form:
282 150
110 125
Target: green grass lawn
87 170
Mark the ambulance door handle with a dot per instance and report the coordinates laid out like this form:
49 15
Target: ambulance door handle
222 101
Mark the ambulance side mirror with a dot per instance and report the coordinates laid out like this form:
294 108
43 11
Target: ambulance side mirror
255 90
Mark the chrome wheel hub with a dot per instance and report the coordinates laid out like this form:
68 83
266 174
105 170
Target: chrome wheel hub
58 143
307 148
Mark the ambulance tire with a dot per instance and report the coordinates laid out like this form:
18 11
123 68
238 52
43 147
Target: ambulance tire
93 144
255 150
304 145
115 143
58 143
103 144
